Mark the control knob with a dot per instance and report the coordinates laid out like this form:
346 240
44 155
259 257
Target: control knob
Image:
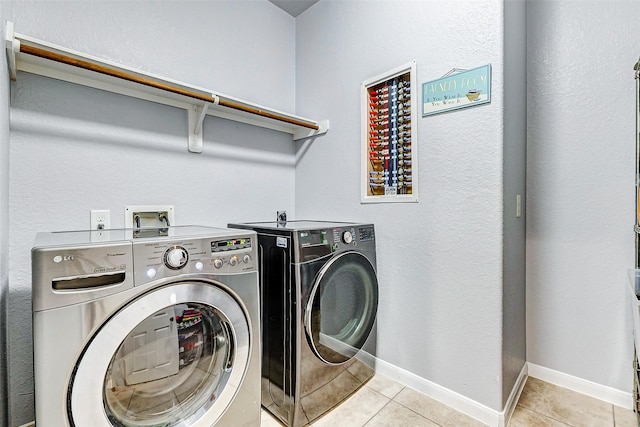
246 259
217 263
347 237
233 260
176 257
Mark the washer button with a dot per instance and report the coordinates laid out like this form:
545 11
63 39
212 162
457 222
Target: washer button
233 260
217 263
246 259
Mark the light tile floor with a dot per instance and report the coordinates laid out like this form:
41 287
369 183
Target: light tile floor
383 402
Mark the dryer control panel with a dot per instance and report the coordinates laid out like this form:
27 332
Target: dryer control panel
158 259
351 237
317 243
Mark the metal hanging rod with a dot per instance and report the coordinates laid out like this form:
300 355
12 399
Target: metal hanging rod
209 103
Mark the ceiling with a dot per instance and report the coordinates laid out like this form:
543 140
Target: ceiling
294 7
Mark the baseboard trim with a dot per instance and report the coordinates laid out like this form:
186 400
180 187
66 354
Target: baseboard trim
488 415
452 399
599 391
514 396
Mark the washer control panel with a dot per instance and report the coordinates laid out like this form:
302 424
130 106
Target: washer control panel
232 252
157 259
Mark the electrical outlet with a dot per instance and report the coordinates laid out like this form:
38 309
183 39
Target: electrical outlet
100 219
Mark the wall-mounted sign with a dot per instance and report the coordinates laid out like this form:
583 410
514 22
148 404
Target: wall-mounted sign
464 89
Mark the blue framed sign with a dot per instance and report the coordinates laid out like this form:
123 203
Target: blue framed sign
465 89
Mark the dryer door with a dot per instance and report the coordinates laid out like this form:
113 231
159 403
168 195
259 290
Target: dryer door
173 357
342 307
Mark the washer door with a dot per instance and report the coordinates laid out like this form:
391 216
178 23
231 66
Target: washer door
342 307
175 356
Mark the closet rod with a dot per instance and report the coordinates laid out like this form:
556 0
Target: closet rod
65 59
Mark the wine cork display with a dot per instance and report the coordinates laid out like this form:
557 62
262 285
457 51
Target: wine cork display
389 162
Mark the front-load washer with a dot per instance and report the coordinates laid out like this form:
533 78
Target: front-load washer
319 302
157 330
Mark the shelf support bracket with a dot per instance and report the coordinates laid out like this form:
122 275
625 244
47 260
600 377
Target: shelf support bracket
12 45
308 133
195 117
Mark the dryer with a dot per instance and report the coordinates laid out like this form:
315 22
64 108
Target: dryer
157 330
319 294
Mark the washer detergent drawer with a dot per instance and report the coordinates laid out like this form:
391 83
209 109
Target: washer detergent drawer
66 276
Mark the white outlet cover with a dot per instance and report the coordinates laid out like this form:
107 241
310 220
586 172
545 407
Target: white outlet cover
100 217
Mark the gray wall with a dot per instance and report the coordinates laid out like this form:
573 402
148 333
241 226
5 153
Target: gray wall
4 225
514 180
440 260
580 185
74 149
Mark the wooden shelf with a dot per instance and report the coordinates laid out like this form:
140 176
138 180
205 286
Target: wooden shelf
39 57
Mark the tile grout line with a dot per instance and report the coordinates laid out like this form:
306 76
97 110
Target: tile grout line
613 415
389 400
376 414
347 398
417 413
383 395
547 416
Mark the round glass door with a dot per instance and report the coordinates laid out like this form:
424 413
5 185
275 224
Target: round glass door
181 362
342 307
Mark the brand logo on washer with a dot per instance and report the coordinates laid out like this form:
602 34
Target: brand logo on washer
117 254
60 258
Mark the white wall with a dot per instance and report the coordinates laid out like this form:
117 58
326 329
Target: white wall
580 184
74 149
440 260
